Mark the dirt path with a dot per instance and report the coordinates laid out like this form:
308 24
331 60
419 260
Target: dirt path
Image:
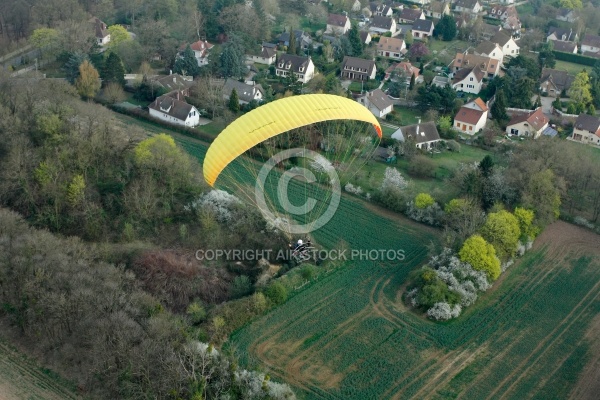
21 378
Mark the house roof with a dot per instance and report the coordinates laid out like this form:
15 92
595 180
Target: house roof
501 38
560 79
566 47
563 12
100 28
364 35
406 67
337 20
512 22
392 44
201 45
440 81
360 63
269 45
427 132
299 34
437 6
480 103
422 25
487 64
171 106
469 115
380 8
535 118
410 14
490 29
294 62
382 22
172 82
244 91
560 32
591 40
466 3
588 123
379 99
486 47
461 74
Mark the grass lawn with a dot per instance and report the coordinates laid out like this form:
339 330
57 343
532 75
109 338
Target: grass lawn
130 99
408 116
571 68
525 9
439 45
370 176
312 26
53 70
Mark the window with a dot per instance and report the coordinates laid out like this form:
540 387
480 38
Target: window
514 131
471 79
470 128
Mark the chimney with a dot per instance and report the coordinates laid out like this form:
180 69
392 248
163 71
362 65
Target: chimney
170 72
174 80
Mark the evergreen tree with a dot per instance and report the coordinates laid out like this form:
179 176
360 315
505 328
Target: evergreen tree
113 70
355 42
234 101
412 82
446 28
187 64
71 67
538 102
233 58
292 46
499 108
486 166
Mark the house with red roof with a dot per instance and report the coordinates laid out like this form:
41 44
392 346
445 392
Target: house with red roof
530 123
200 49
472 117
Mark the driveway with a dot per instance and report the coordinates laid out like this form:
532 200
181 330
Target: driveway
547 104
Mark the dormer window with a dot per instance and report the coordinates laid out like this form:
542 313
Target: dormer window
301 69
280 65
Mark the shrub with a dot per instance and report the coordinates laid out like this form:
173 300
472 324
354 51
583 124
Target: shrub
276 293
424 200
481 255
422 166
443 311
453 145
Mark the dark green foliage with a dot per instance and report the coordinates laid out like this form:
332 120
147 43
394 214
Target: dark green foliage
241 286
147 91
412 82
486 166
233 58
186 64
499 108
529 64
71 67
292 42
355 42
575 58
546 56
113 70
446 28
234 101
436 98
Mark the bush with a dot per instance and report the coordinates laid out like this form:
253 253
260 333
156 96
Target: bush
575 58
453 145
276 293
424 200
422 166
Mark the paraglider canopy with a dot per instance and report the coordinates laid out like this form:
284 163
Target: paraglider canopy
275 118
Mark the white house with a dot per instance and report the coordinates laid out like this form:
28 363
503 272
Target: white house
338 24
410 15
590 44
530 123
422 29
377 102
200 49
172 109
425 135
468 6
437 9
301 67
382 10
267 55
506 43
587 130
100 31
468 80
489 49
246 93
382 25
566 35
471 117
393 48
357 69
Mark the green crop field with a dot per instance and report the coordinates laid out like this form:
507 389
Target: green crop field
349 336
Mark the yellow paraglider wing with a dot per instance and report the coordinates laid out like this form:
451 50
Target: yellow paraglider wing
275 118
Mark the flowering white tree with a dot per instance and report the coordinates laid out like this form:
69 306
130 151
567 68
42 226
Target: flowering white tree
218 202
443 311
350 188
393 179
